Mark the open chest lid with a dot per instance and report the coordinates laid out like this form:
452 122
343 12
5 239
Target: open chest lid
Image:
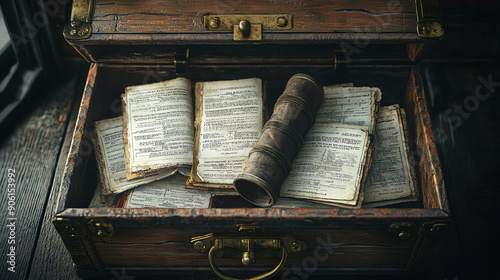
154 31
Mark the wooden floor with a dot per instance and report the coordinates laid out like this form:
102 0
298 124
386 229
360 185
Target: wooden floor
37 143
34 150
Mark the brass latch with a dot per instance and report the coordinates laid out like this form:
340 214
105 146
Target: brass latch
248 248
429 24
80 26
247 27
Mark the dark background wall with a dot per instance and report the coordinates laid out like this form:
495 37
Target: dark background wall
463 81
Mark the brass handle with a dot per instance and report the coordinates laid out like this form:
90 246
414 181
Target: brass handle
264 276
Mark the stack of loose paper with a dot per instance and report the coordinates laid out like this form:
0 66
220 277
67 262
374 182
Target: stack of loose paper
110 156
155 137
332 164
336 165
168 192
391 178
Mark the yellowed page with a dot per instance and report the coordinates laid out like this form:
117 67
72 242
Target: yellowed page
330 165
350 105
168 193
110 155
229 122
159 128
390 177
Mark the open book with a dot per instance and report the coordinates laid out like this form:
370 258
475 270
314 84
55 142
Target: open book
159 128
332 164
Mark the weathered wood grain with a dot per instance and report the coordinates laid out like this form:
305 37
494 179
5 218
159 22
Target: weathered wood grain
426 154
171 247
32 150
130 48
80 150
50 258
361 236
205 54
123 30
178 256
158 16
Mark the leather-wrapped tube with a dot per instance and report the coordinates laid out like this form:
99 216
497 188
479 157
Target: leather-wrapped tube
270 160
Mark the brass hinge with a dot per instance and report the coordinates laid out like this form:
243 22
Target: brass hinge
247 27
80 26
429 23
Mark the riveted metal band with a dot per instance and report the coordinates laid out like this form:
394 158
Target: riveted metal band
275 154
287 129
299 101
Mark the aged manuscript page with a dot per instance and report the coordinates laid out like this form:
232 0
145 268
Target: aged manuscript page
391 178
350 105
340 140
168 193
158 126
110 156
229 119
330 165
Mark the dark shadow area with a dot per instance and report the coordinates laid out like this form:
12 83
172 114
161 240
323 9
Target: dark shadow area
463 82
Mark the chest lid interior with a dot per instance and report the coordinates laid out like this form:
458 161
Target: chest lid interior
155 31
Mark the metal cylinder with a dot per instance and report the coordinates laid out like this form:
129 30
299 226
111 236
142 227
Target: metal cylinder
269 161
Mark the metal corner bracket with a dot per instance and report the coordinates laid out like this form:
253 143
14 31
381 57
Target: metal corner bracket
77 241
429 23
430 238
80 26
403 230
101 228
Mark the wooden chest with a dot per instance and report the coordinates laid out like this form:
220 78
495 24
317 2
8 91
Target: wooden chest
374 43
